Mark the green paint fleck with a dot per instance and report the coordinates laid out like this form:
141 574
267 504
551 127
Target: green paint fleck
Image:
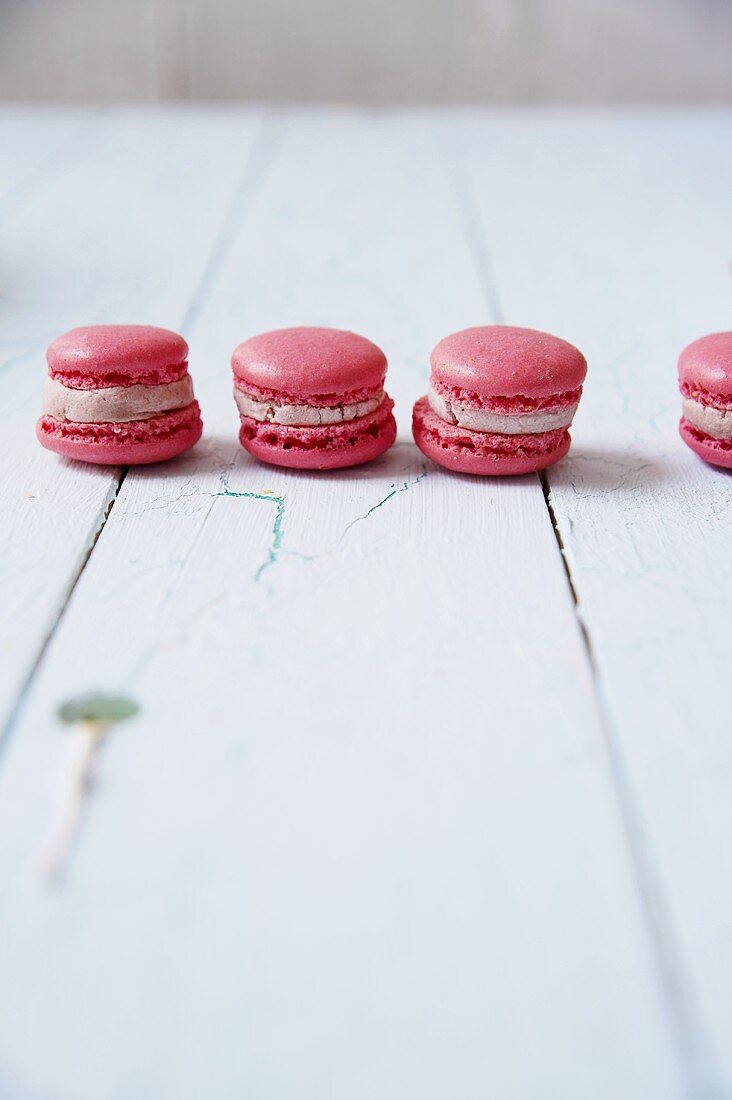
99 709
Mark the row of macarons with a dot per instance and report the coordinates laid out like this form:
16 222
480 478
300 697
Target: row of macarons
500 401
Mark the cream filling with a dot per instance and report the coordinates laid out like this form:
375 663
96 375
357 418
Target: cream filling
482 420
304 416
711 421
116 404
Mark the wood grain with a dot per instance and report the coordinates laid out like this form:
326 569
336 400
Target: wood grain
119 224
364 837
614 233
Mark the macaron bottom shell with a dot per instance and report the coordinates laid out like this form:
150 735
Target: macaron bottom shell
327 447
486 453
132 443
717 452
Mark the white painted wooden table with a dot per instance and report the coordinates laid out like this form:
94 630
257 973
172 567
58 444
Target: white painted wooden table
413 807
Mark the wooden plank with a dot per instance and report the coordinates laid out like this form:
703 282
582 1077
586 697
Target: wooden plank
614 231
363 837
32 140
122 230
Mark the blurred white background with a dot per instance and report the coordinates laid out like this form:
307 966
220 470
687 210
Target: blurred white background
379 51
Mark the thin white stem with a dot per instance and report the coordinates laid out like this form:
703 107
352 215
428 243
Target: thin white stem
73 793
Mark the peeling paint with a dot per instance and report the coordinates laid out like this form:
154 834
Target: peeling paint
275 549
395 489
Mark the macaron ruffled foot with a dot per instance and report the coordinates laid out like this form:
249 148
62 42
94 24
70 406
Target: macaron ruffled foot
500 401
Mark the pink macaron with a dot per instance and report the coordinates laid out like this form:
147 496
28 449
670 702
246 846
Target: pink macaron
705 381
119 395
312 398
500 400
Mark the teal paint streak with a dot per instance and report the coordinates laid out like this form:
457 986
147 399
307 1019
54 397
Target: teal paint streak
278 531
381 503
276 549
395 489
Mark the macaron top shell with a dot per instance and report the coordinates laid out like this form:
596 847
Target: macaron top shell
706 365
97 356
503 361
309 365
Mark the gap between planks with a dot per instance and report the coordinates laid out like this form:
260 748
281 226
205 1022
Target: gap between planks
262 153
678 998
682 1013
